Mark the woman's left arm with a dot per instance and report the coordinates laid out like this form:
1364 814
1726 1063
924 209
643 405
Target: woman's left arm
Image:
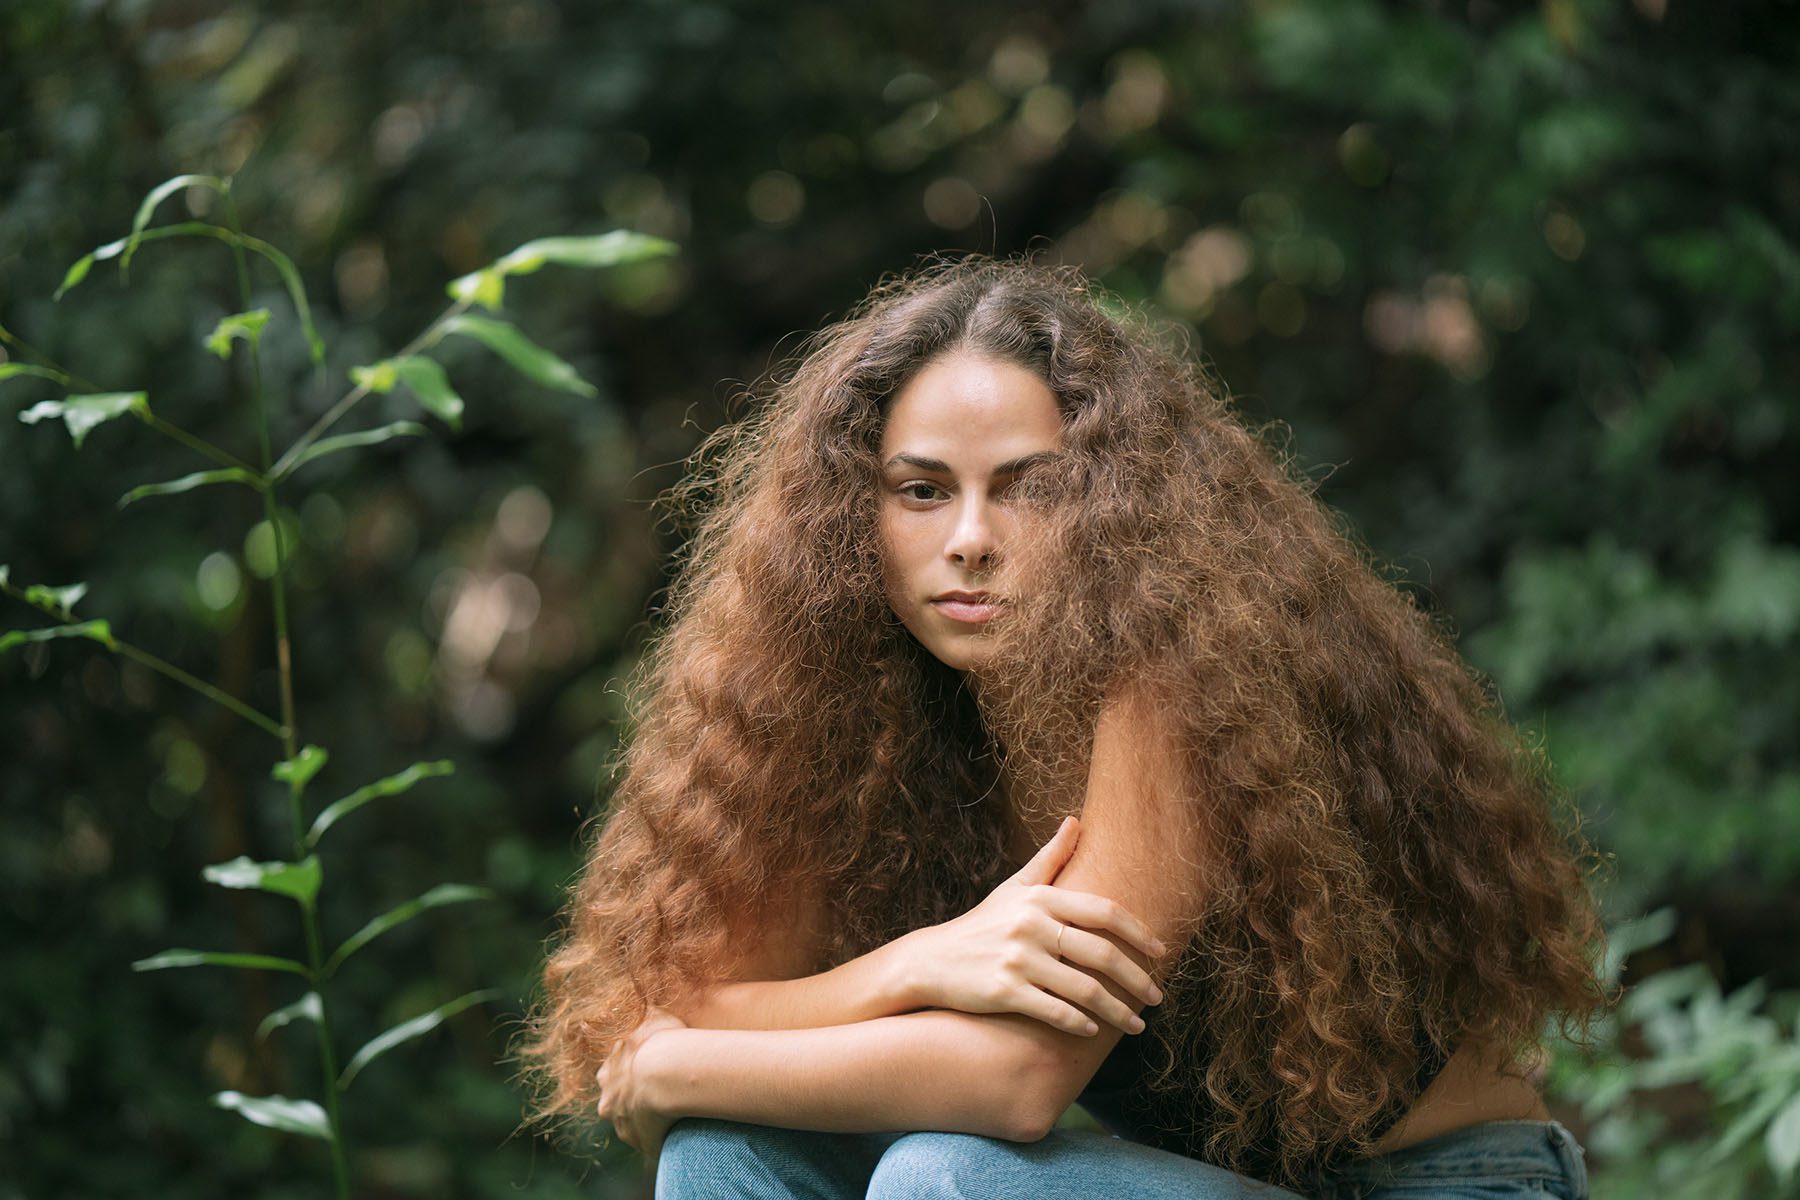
999 1075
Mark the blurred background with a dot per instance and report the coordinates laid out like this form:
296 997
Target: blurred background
1522 282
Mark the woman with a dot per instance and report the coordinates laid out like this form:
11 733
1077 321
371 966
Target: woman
991 557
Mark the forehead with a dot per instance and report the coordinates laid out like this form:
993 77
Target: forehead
969 410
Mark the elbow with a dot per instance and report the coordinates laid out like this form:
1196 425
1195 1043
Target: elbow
1030 1125
1036 1097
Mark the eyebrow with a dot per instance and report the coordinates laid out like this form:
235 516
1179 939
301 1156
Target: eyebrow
1011 466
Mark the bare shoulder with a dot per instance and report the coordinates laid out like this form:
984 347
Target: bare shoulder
1474 1086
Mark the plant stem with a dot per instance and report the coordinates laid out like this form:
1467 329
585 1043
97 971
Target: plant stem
206 689
163 668
13 339
200 445
284 662
166 428
427 338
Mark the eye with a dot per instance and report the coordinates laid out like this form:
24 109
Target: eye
911 490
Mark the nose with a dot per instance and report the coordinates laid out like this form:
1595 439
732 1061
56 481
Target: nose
972 542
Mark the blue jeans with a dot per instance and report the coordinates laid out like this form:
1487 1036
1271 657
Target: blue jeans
707 1159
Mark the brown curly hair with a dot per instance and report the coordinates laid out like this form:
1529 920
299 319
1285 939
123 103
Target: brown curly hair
1380 851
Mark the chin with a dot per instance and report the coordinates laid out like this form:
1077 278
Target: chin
962 657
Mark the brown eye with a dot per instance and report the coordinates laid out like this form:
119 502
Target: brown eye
910 490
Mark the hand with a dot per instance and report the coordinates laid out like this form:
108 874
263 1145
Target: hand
625 1094
1010 953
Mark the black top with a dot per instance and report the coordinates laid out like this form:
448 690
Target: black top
1120 1098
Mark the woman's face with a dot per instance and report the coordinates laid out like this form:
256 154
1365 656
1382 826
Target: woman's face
957 436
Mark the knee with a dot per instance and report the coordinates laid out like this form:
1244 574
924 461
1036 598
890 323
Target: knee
704 1158
949 1166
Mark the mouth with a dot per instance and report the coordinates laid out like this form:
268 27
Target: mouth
969 608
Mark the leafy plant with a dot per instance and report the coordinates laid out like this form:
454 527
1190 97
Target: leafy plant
1734 1051
301 875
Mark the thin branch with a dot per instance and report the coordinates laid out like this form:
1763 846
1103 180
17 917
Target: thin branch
429 337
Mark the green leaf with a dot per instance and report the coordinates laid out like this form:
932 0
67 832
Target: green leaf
290 275
299 880
78 271
617 248
308 1007
381 1043
82 413
431 386
392 785
156 196
1783 1139
59 599
437 897
1629 936
8 370
215 958
284 266
486 287
278 1112
189 482
347 441
523 354
301 768
1742 1128
100 631
379 378
245 325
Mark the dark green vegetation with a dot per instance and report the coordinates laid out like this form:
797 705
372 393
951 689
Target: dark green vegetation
1524 282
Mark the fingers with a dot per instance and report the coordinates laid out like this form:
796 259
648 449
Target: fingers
1041 1005
1092 950
1052 855
1083 989
1100 912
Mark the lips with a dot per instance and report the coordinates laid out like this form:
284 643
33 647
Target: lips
969 608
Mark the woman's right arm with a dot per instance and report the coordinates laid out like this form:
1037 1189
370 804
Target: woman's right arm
1011 953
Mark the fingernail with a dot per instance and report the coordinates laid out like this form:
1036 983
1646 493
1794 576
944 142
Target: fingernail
1137 1024
1156 995
1162 948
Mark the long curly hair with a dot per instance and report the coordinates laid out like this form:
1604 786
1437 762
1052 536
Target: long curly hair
1379 846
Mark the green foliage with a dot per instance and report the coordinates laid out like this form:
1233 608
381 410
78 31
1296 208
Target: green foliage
521 353
302 878
406 1031
246 325
393 785
82 414
278 1112
1519 282
1731 1049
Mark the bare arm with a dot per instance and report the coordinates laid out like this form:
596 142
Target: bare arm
1000 1075
960 1072
878 984
1019 951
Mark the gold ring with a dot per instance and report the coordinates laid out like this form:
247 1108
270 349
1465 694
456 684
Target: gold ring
1059 933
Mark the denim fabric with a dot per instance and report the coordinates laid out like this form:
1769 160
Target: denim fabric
709 1158
703 1159
1493 1160
1496 1160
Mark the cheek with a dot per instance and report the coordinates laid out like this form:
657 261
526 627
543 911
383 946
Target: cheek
900 551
